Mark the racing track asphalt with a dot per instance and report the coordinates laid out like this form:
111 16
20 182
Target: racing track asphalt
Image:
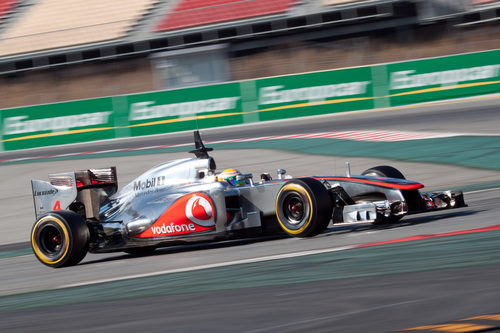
380 288
375 289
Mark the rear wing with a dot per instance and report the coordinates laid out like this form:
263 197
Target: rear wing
57 194
63 189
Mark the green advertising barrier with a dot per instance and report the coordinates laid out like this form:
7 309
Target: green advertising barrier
249 101
443 78
57 124
315 93
184 109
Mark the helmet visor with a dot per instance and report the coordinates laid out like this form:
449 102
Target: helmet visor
234 182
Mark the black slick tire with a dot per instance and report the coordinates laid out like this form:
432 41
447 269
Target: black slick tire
60 238
390 172
384 171
303 207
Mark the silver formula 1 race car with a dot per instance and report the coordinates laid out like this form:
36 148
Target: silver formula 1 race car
182 201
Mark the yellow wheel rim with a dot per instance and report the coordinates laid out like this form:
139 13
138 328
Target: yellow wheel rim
38 252
301 190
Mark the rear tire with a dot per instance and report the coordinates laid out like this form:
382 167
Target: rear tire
384 171
60 238
303 207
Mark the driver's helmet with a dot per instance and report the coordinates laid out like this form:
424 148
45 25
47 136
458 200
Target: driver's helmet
229 175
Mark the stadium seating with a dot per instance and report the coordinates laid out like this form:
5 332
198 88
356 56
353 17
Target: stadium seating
51 24
190 13
6 6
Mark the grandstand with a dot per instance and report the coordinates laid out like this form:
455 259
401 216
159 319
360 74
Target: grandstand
45 33
52 50
190 13
53 24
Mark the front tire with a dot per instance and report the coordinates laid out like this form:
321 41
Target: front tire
390 172
303 207
384 171
60 238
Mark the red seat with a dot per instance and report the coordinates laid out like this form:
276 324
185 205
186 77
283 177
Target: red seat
189 13
6 6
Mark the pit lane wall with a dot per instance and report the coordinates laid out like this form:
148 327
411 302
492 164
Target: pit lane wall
324 92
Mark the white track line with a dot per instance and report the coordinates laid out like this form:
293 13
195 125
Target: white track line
216 265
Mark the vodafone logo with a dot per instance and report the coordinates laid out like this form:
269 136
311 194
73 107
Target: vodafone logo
199 210
173 229
190 213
